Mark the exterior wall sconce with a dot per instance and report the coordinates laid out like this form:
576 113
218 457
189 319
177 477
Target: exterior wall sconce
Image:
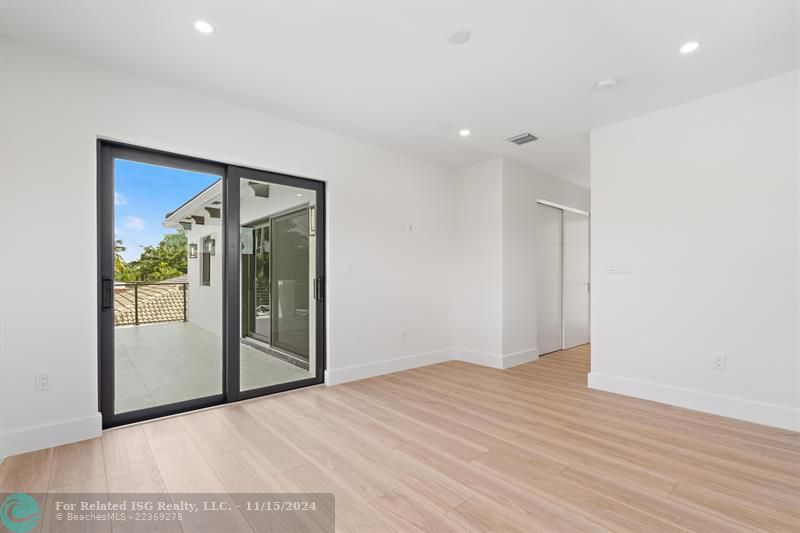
209 246
193 250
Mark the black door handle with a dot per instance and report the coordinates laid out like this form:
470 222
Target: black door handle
108 293
319 289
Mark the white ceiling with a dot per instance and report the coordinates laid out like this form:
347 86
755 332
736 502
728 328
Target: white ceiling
384 71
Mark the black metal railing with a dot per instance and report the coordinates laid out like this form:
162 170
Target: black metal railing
139 303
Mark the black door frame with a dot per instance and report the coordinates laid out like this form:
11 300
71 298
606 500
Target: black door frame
231 175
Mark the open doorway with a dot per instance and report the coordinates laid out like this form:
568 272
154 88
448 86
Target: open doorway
562 277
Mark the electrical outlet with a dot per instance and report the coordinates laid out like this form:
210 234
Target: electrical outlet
719 361
41 381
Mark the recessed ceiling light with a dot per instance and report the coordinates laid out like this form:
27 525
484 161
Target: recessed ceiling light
203 27
299 195
459 37
606 83
689 47
464 133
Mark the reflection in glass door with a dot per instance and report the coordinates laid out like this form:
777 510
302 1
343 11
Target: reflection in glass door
256 316
290 283
278 271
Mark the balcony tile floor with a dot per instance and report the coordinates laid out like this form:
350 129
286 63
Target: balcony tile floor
157 364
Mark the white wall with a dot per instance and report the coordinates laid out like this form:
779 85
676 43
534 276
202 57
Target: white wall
702 201
495 300
204 302
54 108
478 268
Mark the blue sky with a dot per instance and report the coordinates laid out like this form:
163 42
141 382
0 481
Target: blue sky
143 194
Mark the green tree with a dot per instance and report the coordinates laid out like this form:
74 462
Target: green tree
164 261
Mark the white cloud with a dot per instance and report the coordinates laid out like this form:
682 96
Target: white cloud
119 198
134 223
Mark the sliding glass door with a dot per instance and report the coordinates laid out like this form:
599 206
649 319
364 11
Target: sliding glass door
210 283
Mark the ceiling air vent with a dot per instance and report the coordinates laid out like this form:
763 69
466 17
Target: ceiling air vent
522 138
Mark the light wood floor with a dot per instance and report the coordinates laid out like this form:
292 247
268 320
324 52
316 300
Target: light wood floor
457 447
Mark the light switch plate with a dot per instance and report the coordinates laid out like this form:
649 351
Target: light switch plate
618 268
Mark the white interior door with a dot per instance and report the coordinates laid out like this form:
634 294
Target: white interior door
576 279
549 280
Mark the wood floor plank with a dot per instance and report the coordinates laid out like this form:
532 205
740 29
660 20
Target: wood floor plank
28 478
539 513
27 459
408 510
77 462
708 500
126 450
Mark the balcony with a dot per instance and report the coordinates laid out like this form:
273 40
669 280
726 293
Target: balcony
161 357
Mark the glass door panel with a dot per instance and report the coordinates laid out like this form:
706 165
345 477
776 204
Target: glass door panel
167 287
278 270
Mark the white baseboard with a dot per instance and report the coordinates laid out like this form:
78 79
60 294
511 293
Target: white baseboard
48 435
518 358
496 360
352 373
368 370
478 358
758 412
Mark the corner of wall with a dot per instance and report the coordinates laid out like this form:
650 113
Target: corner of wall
499 361
521 357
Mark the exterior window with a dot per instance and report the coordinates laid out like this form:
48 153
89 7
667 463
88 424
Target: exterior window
205 261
